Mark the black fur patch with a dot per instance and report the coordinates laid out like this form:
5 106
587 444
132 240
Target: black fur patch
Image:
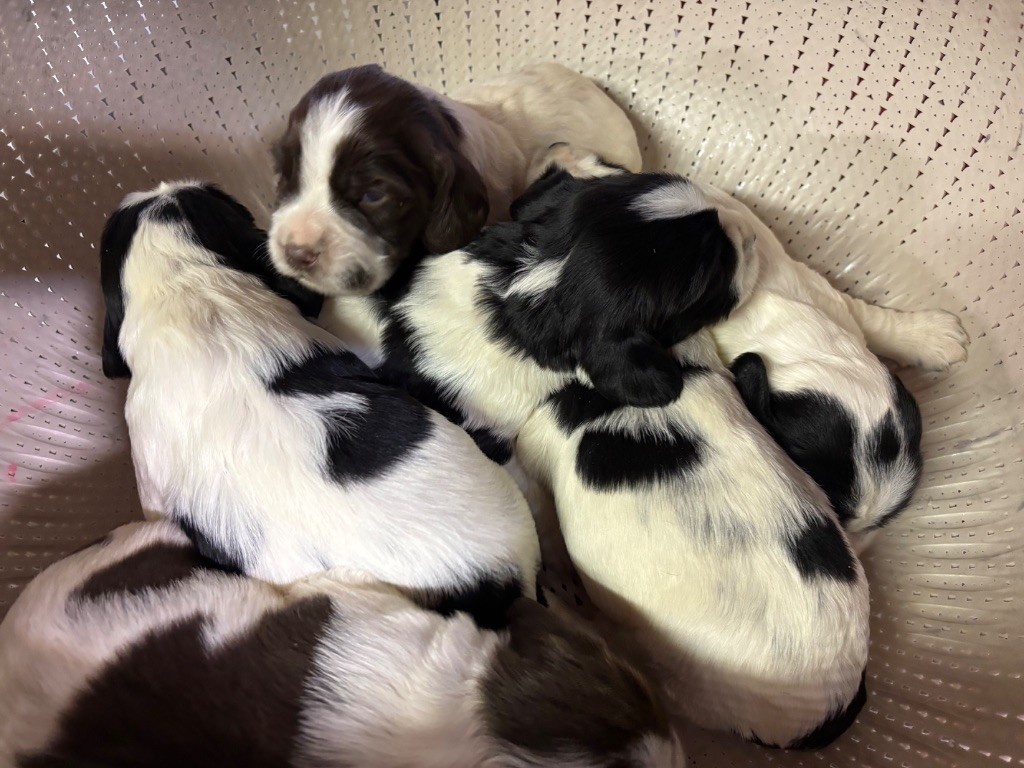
556 690
611 461
495 447
821 550
487 601
837 724
908 418
814 429
170 701
226 560
365 441
576 404
400 368
155 567
115 245
631 288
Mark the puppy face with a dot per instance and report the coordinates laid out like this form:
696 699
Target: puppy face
369 172
189 222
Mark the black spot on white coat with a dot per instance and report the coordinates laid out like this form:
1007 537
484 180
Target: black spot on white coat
363 441
813 428
612 460
486 601
820 550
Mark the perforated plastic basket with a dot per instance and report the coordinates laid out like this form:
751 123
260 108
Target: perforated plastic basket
881 141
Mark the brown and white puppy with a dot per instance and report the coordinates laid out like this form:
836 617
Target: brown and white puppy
372 168
154 656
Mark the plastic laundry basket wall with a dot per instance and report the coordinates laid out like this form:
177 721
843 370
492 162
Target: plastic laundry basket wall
881 139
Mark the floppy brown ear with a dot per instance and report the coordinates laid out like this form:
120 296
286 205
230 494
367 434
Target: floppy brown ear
460 203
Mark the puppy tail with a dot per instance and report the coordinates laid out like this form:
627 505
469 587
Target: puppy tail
752 382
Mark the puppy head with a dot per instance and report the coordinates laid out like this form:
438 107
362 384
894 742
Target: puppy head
153 233
369 173
648 262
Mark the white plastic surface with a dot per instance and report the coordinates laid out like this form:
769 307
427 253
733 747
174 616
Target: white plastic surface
881 140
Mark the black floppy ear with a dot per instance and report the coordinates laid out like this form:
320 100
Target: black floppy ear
635 370
460 203
541 195
224 226
114 365
115 244
752 382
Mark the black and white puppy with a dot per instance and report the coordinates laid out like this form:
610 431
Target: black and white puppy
373 168
275 448
803 354
140 652
685 520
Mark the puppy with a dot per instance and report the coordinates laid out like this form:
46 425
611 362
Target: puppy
801 352
156 656
686 521
373 168
276 449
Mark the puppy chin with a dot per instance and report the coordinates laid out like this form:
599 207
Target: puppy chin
347 276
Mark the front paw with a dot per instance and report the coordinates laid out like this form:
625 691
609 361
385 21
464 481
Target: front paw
935 339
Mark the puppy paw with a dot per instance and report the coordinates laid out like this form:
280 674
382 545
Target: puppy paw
933 339
575 161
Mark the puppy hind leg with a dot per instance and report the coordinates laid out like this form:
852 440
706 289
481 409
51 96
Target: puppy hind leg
932 339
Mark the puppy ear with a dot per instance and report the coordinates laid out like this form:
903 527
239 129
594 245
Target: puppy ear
460 203
752 382
541 195
114 365
115 244
636 371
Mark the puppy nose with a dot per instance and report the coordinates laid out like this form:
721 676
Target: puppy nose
301 257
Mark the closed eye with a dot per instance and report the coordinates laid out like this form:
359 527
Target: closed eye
373 195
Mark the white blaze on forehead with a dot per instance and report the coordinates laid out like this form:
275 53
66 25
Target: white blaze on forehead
671 200
327 123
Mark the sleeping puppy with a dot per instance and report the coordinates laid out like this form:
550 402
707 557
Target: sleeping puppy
373 168
276 449
801 352
156 656
686 520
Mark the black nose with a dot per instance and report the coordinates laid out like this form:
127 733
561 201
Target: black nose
301 257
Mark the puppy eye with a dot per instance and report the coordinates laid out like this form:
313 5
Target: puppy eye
373 195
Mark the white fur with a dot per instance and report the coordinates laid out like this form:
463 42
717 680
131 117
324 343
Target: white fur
671 201
391 684
211 441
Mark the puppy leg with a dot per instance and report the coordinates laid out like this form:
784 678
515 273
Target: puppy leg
575 161
931 339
